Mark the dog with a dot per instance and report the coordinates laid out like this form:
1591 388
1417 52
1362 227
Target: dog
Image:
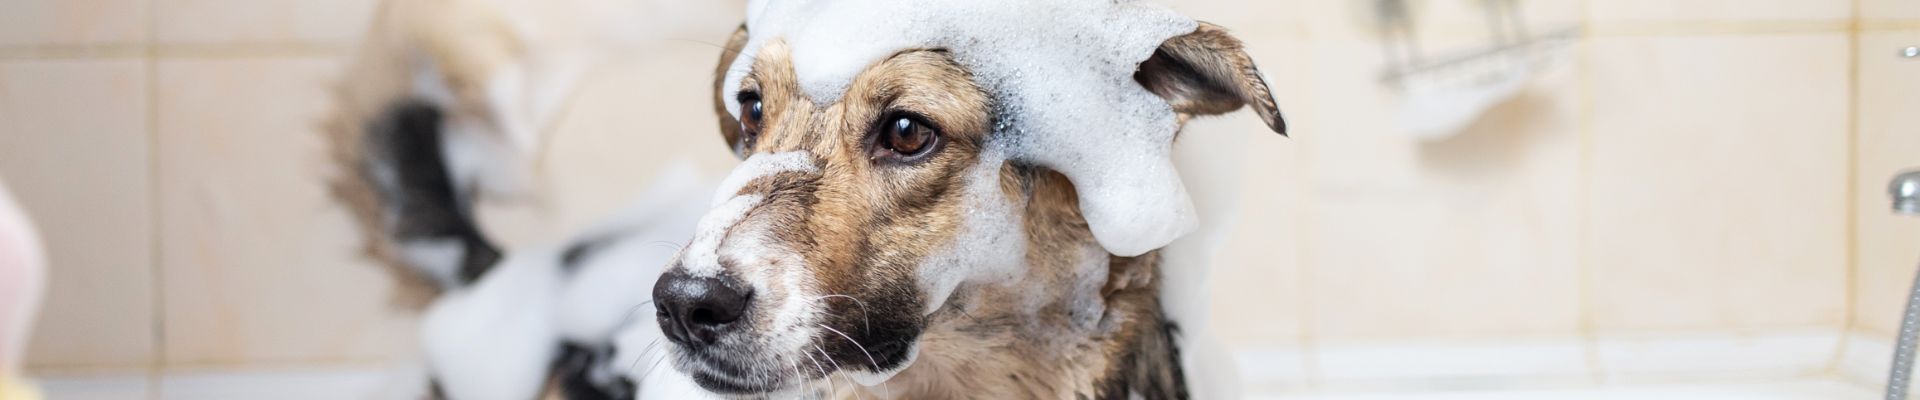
887 232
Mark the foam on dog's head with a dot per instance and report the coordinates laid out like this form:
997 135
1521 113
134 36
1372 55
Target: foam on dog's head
1061 74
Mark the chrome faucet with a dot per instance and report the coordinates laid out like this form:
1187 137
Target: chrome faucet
1905 190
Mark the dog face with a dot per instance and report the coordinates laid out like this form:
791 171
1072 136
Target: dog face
849 224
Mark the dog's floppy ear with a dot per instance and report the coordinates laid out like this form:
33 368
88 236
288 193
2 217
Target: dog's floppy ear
1208 72
729 127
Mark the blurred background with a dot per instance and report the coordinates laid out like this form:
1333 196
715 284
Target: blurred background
1666 197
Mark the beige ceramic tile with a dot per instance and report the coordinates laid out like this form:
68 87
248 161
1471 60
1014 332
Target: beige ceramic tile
1889 9
1608 11
1887 246
72 22
338 22
74 149
259 265
1469 235
1718 182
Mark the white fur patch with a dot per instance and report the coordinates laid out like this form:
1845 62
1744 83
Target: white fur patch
495 339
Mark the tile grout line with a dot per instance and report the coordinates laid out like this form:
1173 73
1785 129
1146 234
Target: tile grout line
1696 28
158 278
1583 166
145 50
1851 209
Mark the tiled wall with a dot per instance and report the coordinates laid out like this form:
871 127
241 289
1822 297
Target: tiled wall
1886 247
1695 166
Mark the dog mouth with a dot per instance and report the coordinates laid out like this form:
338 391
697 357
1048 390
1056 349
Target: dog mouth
748 376
723 384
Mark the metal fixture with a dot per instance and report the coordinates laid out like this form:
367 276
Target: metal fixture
1510 44
1905 190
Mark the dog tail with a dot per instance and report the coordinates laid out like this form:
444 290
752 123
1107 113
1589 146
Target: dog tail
424 215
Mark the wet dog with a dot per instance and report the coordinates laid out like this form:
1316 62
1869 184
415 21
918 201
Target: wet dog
854 240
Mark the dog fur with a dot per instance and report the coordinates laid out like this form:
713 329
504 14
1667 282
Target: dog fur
844 222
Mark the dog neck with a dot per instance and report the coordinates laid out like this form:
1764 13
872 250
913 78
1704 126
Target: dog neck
1081 324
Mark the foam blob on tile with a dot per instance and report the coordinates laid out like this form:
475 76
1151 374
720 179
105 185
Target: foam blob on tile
1061 73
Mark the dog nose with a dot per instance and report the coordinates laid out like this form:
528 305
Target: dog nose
695 310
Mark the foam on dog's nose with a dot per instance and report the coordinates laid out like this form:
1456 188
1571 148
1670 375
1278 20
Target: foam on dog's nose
702 256
1061 73
761 166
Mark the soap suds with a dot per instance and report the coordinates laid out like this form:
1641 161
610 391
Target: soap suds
760 166
702 256
1060 72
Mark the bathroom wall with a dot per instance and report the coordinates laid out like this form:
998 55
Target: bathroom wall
1694 168
1687 171
1886 247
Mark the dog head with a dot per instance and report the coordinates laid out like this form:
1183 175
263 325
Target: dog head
852 220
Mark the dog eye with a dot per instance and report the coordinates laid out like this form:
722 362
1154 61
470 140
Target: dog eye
750 117
904 138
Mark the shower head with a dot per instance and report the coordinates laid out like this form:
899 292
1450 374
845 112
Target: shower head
1906 192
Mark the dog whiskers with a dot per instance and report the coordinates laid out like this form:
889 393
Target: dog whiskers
823 370
628 318
865 314
794 366
643 355
667 244
856 344
644 352
863 350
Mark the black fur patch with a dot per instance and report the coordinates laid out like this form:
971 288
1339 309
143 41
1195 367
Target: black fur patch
1150 369
434 391
405 144
582 250
583 373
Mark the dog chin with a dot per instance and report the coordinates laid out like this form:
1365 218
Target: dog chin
733 379
733 387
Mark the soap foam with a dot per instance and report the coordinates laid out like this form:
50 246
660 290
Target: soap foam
1061 75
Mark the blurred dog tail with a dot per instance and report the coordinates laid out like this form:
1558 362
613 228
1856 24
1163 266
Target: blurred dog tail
410 201
430 214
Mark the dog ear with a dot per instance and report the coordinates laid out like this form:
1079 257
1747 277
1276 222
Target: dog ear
729 127
1208 72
